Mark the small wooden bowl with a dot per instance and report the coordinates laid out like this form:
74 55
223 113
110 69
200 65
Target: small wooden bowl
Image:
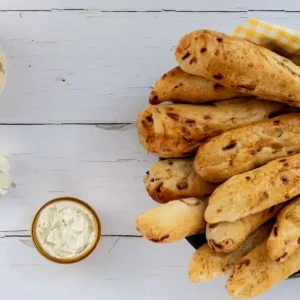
86 252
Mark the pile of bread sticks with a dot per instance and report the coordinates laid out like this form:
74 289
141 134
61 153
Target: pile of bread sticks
231 167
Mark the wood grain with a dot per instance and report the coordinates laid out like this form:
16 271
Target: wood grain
136 5
62 70
102 165
120 268
87 62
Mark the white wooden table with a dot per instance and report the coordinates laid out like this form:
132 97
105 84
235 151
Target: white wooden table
79 72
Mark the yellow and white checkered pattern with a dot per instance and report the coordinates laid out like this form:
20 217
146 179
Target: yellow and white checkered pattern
284 41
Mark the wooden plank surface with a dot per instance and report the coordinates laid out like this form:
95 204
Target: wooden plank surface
120 268
103 165
94 67
149 5
85 62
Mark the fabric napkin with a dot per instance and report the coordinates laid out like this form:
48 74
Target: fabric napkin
283 41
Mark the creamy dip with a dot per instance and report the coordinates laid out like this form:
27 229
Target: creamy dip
65 229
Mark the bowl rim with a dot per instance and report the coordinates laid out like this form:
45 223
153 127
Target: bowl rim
69 260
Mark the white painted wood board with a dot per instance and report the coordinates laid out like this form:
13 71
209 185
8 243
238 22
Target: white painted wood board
94 67
120 268
94 61
150 5
102 165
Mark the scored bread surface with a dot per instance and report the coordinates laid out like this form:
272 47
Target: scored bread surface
173 221
178 130
256 272
207 264
254 191
228 236
179 86
285 237
243 149
240 65
175 178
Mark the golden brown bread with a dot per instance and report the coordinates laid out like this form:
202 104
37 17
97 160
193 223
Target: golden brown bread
249 147
178 86
285 237
173 221
228 236
207 264
175 178
240 65
254 191
178 130
256 272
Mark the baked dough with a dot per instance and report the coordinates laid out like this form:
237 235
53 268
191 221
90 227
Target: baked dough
207 264
285 237
240 65
173 221
249 147
175 178
228 236
256 272
254 191
178 130
179 86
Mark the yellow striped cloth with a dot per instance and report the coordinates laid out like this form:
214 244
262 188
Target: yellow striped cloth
283 41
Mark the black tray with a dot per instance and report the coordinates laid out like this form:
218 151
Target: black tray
198 240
